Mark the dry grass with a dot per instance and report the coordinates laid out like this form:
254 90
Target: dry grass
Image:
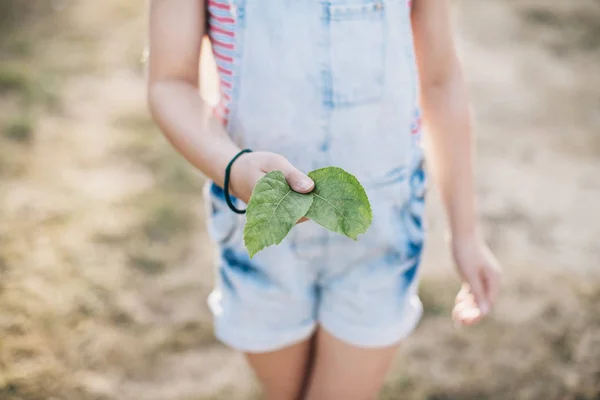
19 129
550 351
94 259
105 263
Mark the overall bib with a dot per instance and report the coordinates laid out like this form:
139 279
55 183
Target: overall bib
321 82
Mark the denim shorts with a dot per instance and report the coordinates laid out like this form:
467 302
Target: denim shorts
363 292
321 82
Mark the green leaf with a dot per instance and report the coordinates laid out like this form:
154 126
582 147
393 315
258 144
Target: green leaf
273 210
340 202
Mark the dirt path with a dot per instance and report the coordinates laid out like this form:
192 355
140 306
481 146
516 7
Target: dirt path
105 264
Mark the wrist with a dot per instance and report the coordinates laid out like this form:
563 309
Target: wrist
237 176
463 224
458 238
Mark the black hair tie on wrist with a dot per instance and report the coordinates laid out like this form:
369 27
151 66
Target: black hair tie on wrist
226 183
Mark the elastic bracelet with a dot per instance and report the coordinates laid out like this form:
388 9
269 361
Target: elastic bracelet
226 183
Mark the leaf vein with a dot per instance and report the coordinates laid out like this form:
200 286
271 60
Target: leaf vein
334 207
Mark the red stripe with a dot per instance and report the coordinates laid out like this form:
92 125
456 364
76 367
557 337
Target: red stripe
221 112
225 110
228 46
417 127
213 3
224 20
222 31
222 119
222 56
218 47
224 71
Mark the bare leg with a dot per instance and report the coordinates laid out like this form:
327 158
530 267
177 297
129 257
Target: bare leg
343 371
282 372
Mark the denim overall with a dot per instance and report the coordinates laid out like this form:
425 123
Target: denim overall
321 82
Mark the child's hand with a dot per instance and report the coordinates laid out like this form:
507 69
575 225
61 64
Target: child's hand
250 167
480 273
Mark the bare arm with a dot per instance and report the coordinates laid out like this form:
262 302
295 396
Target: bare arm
449 145
176 31
446 114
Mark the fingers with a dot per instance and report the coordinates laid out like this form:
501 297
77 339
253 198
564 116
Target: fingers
463 294
481 281
298 181
477 289
476 296
466 311
467 315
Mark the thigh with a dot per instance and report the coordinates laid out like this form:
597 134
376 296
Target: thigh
344 371
282 373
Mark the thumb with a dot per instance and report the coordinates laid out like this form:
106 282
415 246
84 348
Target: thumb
478 292
298 181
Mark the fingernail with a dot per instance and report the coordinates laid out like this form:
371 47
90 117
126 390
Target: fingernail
305 184
484 307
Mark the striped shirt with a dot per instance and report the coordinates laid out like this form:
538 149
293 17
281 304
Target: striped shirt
221 22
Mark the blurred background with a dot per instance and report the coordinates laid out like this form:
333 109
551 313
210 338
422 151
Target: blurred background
104 259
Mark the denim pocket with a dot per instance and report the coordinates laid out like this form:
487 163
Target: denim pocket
223 224
356 45
398 203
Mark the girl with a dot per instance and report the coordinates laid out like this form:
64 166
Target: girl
305 84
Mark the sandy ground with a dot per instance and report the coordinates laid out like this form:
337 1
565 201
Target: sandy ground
105 263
